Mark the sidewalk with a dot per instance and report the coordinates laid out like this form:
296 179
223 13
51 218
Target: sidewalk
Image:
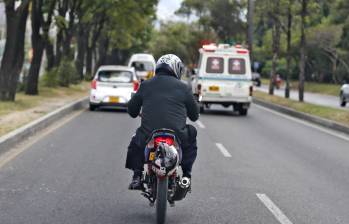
314 98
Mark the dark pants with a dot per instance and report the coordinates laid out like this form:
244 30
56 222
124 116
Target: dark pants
135 154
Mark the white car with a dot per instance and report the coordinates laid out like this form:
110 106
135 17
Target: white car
113 86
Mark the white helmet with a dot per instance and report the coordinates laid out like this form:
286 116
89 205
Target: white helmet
172 63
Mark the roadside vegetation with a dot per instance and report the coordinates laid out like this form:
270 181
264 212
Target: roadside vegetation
314 87
338 115
70 38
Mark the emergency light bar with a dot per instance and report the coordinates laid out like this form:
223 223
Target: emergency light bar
224 48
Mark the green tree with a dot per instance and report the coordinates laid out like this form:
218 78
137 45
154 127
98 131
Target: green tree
13 57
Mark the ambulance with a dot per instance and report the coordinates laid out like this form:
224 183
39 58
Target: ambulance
223 77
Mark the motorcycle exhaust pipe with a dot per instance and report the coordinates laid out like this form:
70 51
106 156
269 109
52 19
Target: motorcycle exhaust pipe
181 189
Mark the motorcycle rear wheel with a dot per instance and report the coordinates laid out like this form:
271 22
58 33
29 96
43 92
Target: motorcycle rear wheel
161 200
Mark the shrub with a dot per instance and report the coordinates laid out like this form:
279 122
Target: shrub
50 78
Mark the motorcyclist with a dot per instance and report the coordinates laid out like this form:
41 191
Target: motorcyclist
164 102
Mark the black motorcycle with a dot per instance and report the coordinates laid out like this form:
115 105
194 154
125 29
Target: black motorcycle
161 181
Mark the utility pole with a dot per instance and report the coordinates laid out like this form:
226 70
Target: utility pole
250 14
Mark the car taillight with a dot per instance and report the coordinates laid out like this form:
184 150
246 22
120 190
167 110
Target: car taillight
251 90
167 140
94 84
135 85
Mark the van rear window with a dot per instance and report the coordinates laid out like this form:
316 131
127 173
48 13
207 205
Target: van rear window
237 66
115 76
215 65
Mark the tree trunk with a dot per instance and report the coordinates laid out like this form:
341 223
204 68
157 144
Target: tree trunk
82 44
38 44
89 62
289 56
13 57
276 33
250 27
302 53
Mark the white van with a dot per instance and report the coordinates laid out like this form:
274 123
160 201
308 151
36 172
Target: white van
144 65
223 77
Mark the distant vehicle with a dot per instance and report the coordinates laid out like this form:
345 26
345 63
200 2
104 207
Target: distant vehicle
113 86
344 95
256 78
144 65
224 77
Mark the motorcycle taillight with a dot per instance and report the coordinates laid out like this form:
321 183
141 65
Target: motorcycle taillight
164 139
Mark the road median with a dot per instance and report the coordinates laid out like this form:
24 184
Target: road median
275 104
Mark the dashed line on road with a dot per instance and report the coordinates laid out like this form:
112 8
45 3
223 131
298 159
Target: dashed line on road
327 131
223 150
279 215
200 124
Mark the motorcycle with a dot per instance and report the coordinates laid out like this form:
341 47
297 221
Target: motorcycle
161 181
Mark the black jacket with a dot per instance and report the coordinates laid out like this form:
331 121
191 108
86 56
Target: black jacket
166 102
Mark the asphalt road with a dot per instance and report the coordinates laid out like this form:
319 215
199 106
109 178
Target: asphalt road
314 98
263 168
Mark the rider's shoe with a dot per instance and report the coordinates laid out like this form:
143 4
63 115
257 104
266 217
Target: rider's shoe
136 183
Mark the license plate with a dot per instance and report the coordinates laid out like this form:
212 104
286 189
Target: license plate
114 99
151 156
214 88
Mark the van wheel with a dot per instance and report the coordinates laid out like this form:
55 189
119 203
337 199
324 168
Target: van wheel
342 100
202 109
93 107
243 112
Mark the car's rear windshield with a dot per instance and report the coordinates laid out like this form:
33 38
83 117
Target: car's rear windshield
143 66
115 76
237 66
215 65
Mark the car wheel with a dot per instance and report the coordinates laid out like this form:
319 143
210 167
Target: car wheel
342 101
243 112
259 83
93 107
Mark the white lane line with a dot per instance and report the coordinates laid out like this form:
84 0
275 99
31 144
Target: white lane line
223 150
327 131
279 215
200 124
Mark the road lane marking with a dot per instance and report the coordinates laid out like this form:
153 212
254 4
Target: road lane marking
327 131
23 146
279 215
223 150
200 124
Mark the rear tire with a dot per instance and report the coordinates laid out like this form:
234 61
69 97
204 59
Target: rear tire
161 200
202 109
93 107
243 112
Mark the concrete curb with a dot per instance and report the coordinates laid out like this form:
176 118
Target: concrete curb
11 139
313 119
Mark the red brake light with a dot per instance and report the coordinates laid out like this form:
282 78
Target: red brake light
167 140
135 85
94 84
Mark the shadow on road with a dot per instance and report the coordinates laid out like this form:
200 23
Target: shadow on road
111 110
229 113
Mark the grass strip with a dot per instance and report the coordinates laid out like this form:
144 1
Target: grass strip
313 87
338 115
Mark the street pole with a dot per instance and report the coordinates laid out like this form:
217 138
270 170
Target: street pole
250 27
